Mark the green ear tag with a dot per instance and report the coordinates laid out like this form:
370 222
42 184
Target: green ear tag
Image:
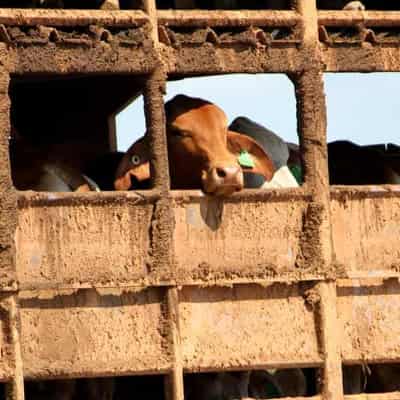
297 173
245 159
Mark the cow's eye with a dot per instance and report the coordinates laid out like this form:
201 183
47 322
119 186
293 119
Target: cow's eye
135 159
177 132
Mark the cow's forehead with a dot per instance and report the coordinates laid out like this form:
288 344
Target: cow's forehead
140 147
205 116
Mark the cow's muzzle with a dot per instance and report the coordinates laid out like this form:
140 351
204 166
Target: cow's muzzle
222 180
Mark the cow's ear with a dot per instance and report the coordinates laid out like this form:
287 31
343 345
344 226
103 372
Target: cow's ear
238 143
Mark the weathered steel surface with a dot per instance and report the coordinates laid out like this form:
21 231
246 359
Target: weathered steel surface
231 59
220 239
93 333
77 243
362 58
365 230
369 315
229 328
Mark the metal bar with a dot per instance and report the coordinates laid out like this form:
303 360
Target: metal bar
351 18
374 396
311 119
72 17
161 261
151 9
155 125
332 371
368 276
202 18
145 283
365 192
311 107
8 201
15 388
308 11
51 199
175 387
371 360
292 398
270 195
270 365
312 126
56 374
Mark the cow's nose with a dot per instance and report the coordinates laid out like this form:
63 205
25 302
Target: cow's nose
227 173
227 178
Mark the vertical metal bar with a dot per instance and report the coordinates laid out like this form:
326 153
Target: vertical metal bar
308 11
175 390
161 260
317 247
332 373
311 105
151 9
162 237
155 126
15 388
8 224
311 120
8 198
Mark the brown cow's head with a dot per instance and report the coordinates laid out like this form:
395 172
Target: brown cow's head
134 168
202 152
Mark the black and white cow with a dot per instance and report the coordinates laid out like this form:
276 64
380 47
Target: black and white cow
275 147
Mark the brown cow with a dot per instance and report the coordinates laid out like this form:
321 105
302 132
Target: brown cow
203 153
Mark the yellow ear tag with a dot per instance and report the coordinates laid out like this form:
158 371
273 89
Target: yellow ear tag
246 160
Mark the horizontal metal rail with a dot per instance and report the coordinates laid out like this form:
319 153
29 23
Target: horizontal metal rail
201 18
374 396
385 19
72 17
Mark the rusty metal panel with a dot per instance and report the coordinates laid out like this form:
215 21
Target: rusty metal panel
216 239
369 315
361 58
225 59
243 326
366 230
75 243
91 333
81 59
77 41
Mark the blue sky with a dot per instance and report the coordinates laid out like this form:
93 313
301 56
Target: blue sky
364 108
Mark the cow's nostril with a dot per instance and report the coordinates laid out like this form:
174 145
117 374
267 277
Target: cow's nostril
221 173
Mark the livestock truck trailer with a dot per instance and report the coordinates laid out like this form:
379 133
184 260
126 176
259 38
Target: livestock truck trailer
139 283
